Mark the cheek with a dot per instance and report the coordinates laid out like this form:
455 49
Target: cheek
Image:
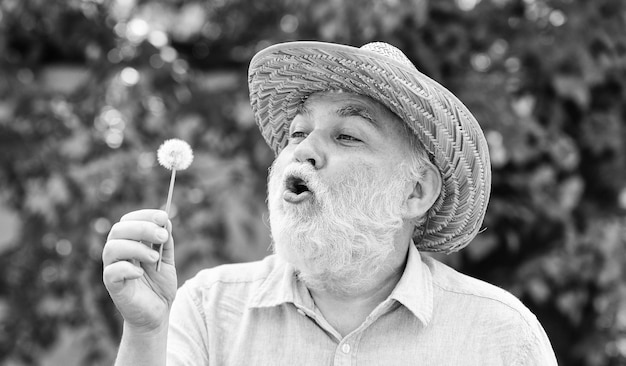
283 159
275 179
273 185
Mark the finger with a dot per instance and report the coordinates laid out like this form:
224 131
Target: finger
126 250
168 247
158 217
166 251
139 231
115 275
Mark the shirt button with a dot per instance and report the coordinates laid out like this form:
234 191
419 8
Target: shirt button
345 348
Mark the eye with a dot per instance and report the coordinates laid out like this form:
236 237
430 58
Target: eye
297 135
345 137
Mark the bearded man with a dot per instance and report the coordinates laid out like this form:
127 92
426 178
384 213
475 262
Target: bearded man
375 163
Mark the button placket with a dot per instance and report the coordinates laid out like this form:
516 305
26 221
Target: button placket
343 353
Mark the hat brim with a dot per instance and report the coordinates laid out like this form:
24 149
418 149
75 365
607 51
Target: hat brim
281 76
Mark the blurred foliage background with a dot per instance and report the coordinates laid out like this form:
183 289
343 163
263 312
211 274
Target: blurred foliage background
90 88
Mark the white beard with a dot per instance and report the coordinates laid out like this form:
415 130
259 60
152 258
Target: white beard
337 240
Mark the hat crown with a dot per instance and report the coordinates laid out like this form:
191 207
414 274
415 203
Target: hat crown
387 50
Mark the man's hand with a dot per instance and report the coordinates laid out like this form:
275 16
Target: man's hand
142 295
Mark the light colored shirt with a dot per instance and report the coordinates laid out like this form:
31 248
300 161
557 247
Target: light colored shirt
260 314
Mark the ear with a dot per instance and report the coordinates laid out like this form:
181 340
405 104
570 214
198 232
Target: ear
424 193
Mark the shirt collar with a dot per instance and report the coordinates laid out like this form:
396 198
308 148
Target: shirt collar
414 290
282 286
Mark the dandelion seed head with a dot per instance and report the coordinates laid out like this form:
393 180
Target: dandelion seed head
175 154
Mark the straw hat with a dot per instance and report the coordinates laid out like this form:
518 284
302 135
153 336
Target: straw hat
283 75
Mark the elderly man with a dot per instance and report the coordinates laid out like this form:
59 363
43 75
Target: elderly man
375 163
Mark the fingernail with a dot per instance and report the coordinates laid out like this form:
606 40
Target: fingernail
162 234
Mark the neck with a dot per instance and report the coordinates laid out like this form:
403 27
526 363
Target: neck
346 311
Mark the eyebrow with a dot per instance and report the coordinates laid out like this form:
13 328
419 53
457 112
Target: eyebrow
349 110
302 109
355 110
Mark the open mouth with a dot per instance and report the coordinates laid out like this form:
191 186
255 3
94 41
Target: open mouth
296 190
296 185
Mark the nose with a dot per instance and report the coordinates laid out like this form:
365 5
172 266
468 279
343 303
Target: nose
311 150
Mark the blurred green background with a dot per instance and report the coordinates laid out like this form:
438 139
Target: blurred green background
90 88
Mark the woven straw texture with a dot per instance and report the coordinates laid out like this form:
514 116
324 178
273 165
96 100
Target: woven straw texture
281 76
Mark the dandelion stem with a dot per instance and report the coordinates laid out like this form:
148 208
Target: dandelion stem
170 193
167 209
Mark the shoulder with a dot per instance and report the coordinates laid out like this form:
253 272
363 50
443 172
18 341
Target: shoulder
235 273
237 279
491 314
459 290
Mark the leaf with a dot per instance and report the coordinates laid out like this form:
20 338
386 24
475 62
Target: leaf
574 88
